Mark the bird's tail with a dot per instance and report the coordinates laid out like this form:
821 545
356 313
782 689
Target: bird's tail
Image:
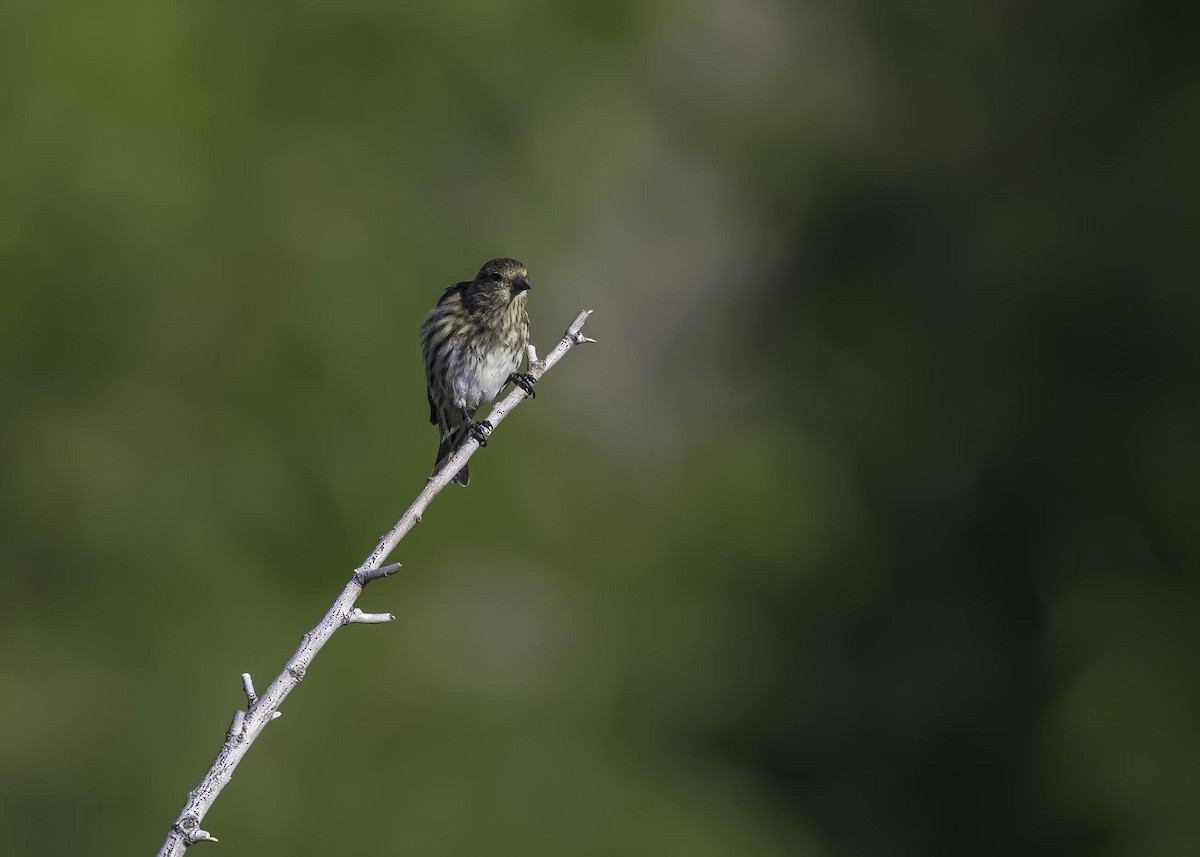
446 449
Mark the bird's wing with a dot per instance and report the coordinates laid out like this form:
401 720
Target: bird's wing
456 289
449 293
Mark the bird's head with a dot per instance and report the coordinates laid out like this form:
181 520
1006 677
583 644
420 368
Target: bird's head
500 282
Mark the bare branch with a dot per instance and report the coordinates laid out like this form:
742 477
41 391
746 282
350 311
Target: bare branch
236 727
357 617
260 710
248 687
366 575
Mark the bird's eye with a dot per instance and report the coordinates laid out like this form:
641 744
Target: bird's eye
496 278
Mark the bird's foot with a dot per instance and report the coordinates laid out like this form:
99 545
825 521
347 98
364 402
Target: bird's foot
480 431
525 381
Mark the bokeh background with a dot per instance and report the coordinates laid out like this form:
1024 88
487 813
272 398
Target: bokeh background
868 528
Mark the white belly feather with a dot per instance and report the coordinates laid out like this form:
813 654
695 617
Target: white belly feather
477 379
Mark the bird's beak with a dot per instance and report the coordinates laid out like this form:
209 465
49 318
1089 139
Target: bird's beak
520 284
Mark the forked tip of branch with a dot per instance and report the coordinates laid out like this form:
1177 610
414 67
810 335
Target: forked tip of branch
574 331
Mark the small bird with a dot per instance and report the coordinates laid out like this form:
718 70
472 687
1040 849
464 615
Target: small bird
473 342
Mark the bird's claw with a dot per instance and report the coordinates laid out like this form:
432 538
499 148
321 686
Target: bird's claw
480 431
525 381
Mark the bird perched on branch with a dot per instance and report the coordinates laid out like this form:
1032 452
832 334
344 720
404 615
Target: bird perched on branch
473 342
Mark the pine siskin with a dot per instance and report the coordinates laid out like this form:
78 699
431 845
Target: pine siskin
473 342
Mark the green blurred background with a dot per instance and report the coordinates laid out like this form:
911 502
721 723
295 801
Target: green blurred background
869 527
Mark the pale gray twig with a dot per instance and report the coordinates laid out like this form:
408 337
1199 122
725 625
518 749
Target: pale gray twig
358 617
248 687
261 710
